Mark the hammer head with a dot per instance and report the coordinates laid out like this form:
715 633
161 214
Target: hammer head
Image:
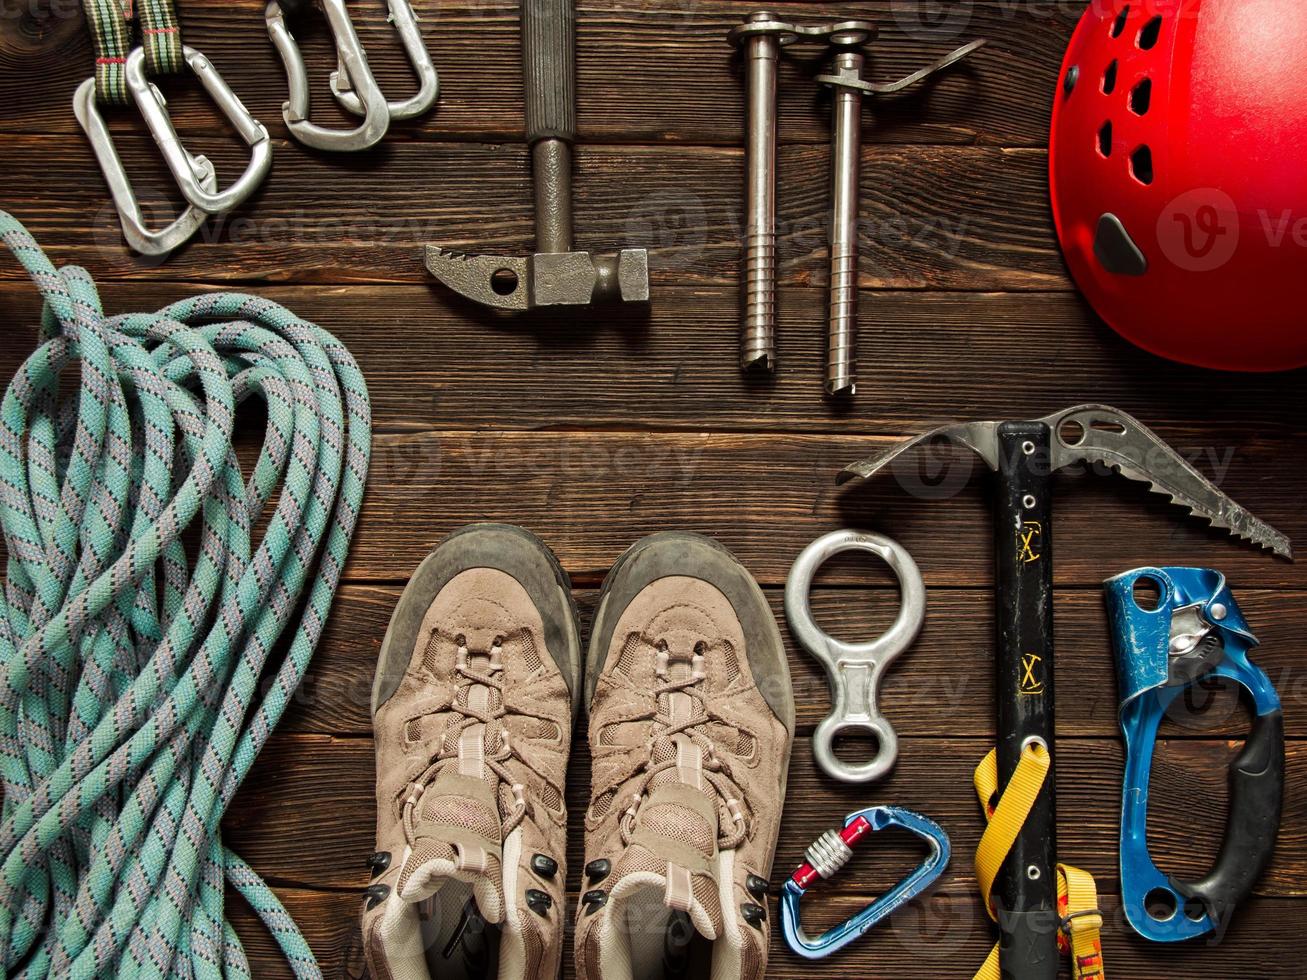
543 279
1099 434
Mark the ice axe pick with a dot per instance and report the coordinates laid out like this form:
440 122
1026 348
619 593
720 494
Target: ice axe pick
1024 456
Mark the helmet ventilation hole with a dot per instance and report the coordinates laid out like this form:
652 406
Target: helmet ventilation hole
1148 34
1105 139
1141 164
1141 96
1118 25
1109 78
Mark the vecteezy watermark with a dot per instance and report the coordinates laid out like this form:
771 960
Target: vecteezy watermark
425 460
1202 229
1199 230
40 10
939 469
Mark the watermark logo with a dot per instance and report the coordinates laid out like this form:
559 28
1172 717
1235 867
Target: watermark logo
1199 230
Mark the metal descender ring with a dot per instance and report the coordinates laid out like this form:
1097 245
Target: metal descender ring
830 852
854 669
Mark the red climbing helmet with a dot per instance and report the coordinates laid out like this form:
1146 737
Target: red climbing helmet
1178 164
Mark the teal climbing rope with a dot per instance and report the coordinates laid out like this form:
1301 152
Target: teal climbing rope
142 669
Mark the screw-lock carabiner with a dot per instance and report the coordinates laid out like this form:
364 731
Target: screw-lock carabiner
410 35
832 851
154 108
353 64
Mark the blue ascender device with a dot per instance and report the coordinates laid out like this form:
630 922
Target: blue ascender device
1194 630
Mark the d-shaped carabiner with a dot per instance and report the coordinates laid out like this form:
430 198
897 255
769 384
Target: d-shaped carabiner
832 851
353 65
410 35
139 238
155 110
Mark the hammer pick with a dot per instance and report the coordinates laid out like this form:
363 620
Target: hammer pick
556 274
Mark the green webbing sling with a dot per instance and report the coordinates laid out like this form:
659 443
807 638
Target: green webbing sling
110 22
137 676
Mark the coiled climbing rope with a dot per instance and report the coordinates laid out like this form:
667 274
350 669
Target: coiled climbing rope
140 671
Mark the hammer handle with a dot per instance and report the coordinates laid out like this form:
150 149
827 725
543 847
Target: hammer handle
1026 889
549 69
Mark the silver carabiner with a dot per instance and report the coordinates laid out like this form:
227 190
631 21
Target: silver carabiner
353 63
854 669
410 35
154 108
138 237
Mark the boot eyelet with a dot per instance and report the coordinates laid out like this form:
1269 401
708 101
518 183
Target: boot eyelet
594 900
756 886
544 866
538 902
755 915
376 895
379 862
597 871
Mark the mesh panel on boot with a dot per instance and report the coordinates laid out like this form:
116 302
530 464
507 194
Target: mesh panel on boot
680 824
459 811
424 852
523 646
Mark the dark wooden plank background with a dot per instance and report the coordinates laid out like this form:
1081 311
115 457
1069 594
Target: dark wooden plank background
594 429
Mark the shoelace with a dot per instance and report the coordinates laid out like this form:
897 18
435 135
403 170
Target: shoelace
496 708
716 771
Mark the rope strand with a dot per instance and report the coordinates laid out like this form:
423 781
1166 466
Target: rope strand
137 684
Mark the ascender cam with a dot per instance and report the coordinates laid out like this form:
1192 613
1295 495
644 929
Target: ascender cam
830 852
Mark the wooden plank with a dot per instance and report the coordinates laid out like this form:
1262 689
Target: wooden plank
942 684
590 495
646 72
940 935
429 365
934 217
317 791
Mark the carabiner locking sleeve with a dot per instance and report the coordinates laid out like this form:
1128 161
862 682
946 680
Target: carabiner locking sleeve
410 35
353 64
1196 630
832 851
155 110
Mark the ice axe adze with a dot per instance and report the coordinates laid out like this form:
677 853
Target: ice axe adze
1025 455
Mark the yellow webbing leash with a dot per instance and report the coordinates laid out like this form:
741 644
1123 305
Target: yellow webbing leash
1077 898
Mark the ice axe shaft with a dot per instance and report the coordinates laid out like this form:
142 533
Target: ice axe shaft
1026 887
556 274
1024 456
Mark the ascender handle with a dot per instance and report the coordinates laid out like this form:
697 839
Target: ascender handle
1256 796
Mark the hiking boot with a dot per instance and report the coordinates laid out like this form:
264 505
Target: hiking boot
477 683
691 723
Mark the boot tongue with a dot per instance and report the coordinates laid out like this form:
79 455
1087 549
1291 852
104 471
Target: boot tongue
674 840
456 818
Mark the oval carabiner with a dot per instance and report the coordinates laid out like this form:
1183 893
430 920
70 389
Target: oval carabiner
832 851
139 238
854 669
154 108
353 62
410 35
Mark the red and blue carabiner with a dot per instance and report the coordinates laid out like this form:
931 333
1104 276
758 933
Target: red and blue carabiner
830 852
